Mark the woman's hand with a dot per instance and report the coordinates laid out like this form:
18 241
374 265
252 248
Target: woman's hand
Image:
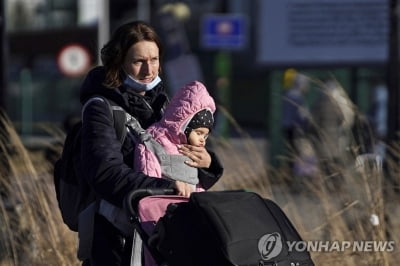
199 156
183 189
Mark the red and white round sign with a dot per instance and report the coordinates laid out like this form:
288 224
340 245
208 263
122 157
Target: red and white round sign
73 60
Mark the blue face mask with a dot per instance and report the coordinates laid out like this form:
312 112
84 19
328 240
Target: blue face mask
130 82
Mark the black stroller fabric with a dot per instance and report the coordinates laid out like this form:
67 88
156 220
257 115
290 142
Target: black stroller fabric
226 228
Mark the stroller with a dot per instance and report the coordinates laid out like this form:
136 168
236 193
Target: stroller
145 207
213 228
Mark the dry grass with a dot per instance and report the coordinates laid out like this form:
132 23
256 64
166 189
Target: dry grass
32 232
337 200
335 203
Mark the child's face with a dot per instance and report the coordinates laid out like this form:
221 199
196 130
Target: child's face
198 136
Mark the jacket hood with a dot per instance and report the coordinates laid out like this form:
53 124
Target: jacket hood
188 100
93 85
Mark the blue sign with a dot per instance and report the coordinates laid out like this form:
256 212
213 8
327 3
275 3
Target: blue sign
223 31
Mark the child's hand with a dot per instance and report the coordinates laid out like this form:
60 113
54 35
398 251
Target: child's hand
199 156
183 189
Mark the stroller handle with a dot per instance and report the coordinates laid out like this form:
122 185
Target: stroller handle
132 199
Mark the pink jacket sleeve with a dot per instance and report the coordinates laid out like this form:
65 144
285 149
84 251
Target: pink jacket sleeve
146 162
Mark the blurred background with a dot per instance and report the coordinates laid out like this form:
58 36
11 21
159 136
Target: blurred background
308 100
240 49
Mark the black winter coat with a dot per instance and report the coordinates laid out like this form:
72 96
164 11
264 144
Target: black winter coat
108 170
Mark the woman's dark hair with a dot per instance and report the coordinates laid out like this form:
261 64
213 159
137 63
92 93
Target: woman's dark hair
113 53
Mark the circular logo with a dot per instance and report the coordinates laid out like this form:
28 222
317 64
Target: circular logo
270 245
73 60
224 27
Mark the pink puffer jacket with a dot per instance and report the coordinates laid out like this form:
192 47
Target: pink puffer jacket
169 131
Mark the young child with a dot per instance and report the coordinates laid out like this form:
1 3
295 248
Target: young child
188 119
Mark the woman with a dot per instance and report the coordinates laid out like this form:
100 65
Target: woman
130 78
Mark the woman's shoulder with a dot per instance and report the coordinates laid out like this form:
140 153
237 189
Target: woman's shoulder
93 83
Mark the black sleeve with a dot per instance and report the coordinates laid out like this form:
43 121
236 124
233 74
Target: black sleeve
102 160
208 177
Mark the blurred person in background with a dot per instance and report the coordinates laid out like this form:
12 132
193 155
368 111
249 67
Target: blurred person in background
378 115
294 112
130 78
295 118
334 118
